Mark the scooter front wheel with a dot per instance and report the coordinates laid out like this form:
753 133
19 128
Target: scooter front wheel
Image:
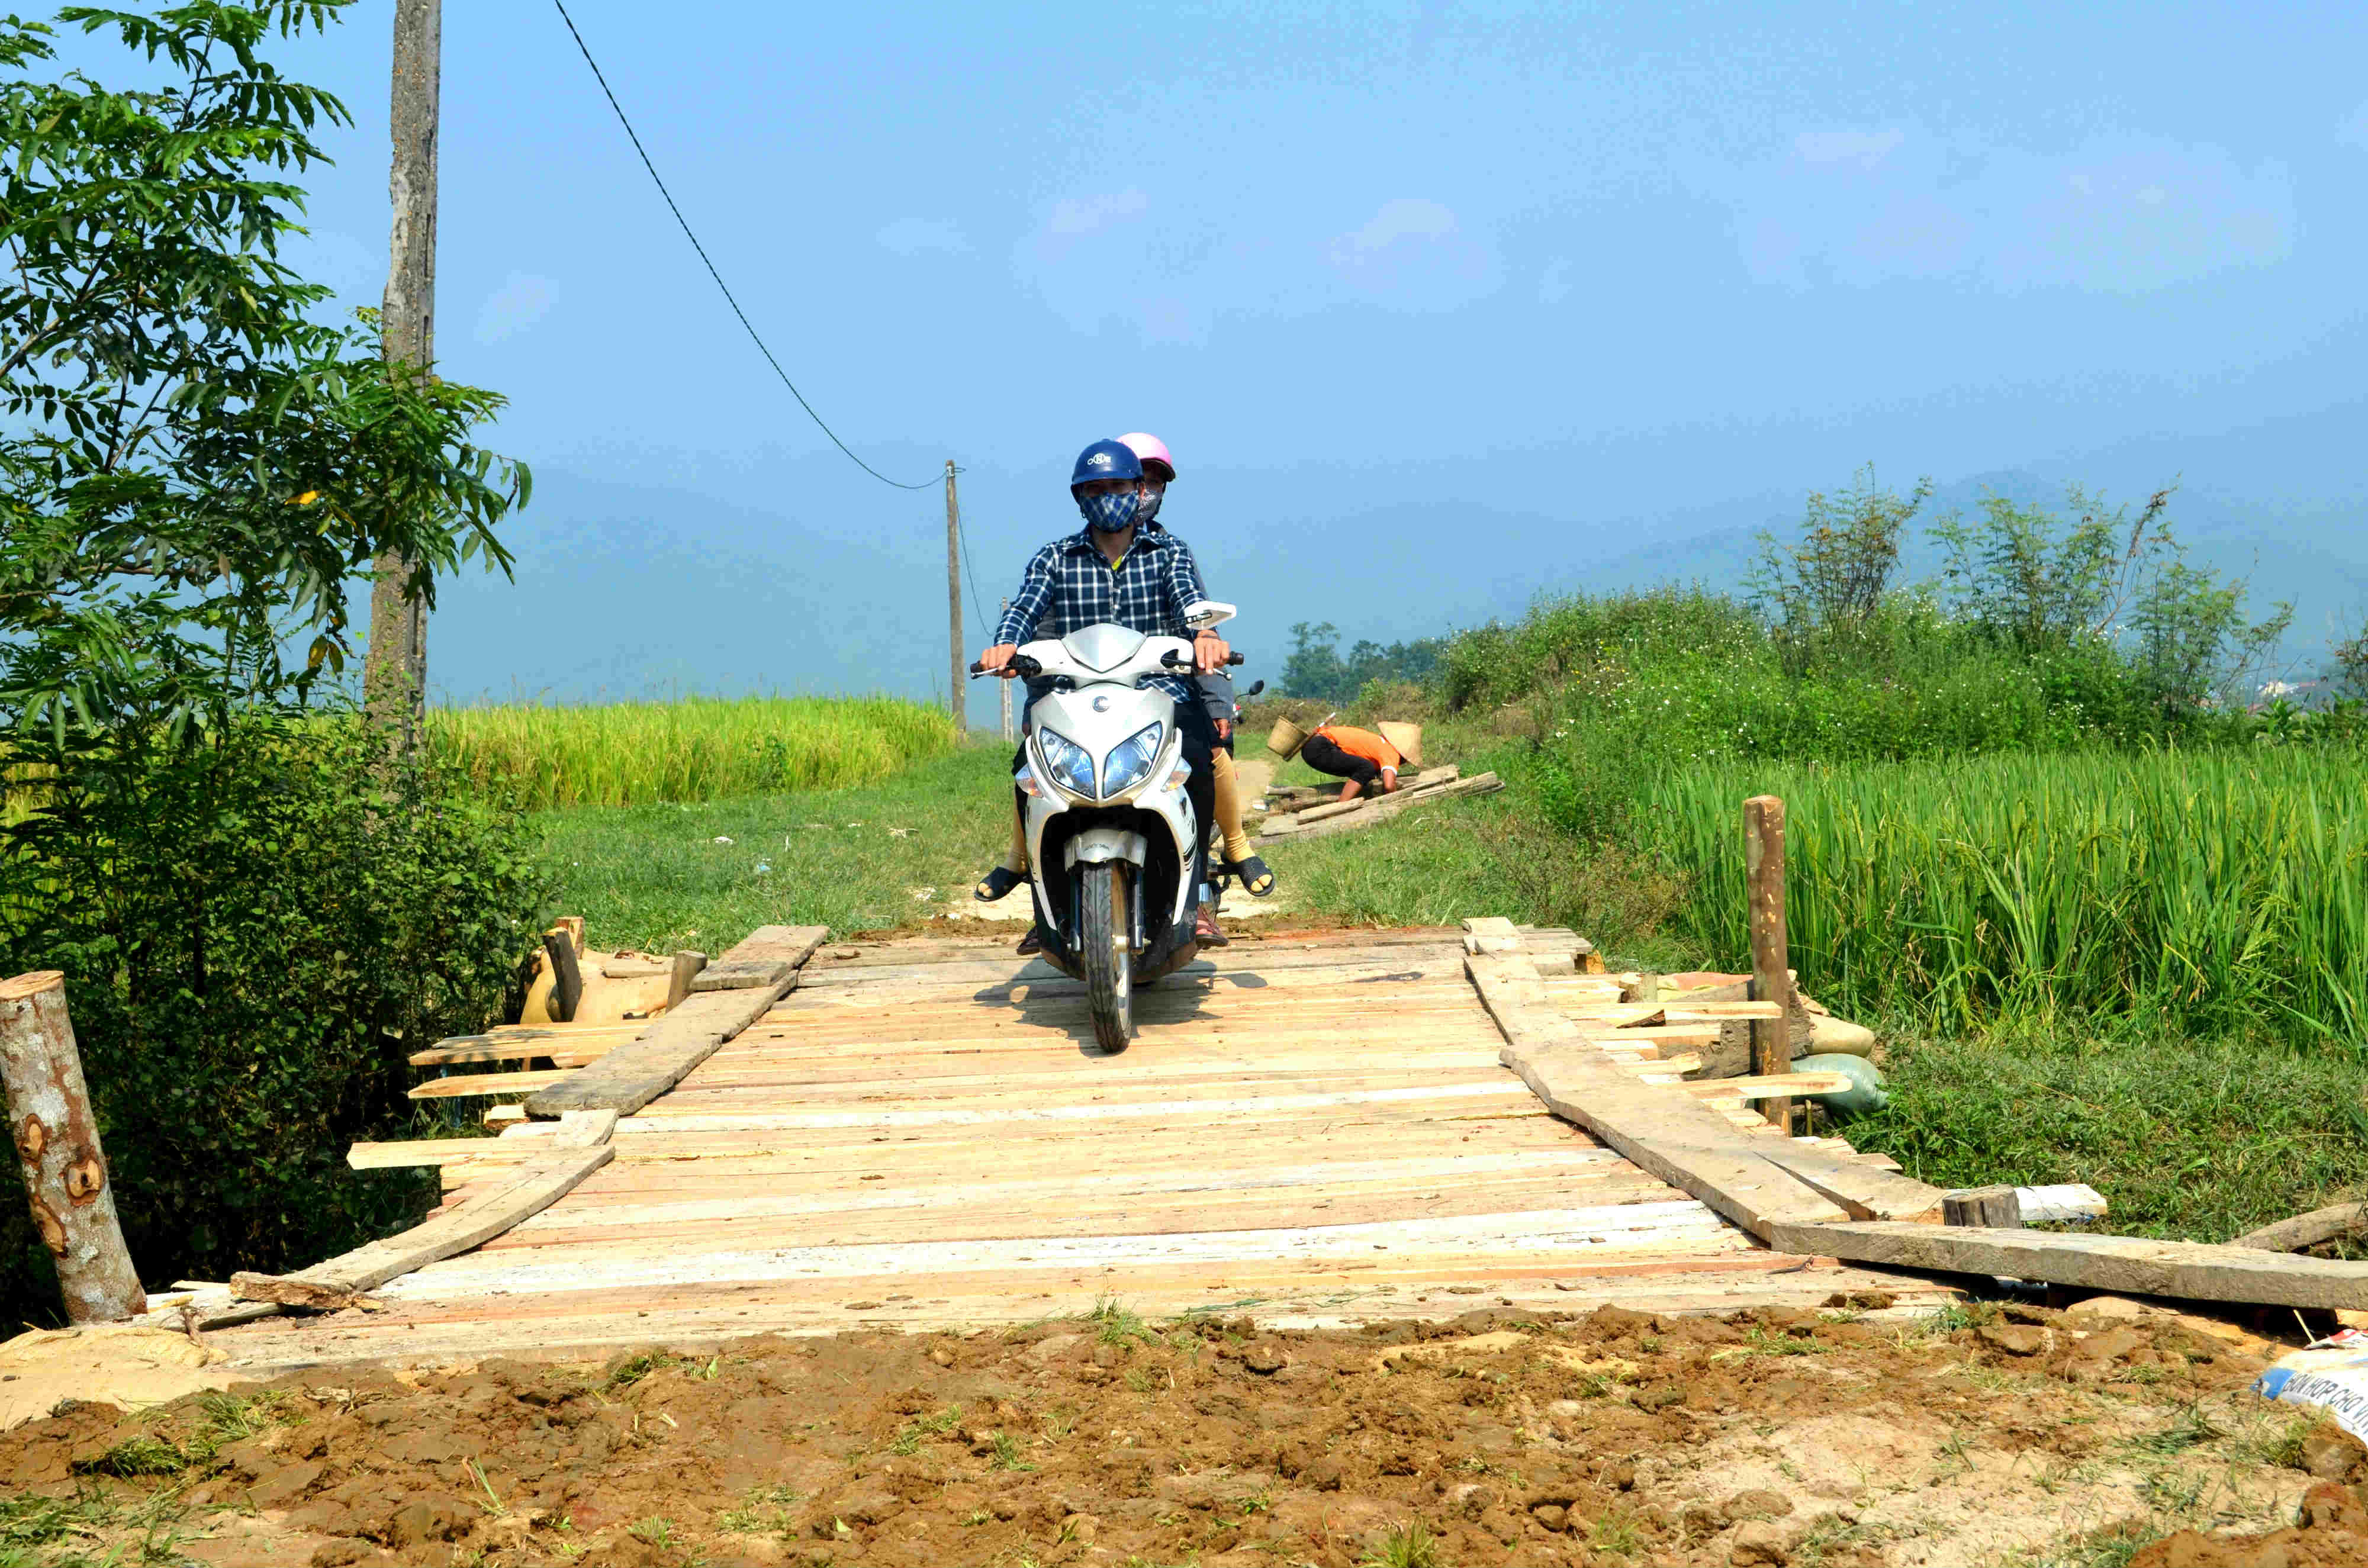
1106 951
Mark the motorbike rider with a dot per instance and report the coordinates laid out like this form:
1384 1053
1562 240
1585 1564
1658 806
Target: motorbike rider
1114 570
1239 859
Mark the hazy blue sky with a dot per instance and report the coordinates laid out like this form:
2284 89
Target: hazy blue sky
1598 266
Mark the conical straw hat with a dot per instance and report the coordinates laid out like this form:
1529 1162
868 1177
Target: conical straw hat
1407 738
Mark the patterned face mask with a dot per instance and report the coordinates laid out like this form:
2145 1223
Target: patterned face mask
1111 514
1153 494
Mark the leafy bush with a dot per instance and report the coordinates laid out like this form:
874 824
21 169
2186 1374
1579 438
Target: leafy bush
255 931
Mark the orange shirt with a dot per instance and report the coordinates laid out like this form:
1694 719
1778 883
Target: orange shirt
1362 742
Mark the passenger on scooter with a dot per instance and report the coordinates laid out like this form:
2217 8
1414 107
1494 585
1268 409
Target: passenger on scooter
1112 570
1216 694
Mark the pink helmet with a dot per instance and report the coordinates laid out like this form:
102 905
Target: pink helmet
1152 451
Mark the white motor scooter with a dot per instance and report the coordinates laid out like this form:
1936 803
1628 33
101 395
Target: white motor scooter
1110 829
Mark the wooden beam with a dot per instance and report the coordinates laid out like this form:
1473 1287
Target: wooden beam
635 1074
2127 1266
1380 809
683 968
2000 1208
505 1201
1659 1127
1756 1089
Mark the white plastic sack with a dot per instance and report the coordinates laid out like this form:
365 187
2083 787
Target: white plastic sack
2332 1375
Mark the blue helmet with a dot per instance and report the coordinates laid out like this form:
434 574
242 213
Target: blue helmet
1106 460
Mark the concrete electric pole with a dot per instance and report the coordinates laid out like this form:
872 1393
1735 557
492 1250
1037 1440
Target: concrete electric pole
394 670
953 603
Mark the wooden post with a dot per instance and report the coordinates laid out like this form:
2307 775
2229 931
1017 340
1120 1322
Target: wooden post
961 680
394 667
57 1150
567 976
1998 1207
1771 981
687 963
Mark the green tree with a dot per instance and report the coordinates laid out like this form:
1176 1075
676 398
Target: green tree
1835 575
257 908
193 465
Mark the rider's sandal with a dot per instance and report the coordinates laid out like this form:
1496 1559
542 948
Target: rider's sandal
997 884
1252 873
1207 932
1031 943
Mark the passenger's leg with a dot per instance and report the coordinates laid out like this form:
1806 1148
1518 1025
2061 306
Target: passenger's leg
1256 879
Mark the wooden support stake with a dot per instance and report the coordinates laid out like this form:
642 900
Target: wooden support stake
567 978
57 1150
1771 981
2000 1208
687 963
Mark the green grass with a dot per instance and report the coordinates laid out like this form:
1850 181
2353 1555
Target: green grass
2211 890
698 748
2188 1138
656 878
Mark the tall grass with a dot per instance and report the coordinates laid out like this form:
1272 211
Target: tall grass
631 754
2203 891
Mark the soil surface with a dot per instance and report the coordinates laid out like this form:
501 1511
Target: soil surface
1777 1436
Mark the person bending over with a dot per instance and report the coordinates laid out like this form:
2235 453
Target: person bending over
1369 763
1144 579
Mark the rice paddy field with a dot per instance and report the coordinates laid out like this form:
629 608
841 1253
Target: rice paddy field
689 749
2209 891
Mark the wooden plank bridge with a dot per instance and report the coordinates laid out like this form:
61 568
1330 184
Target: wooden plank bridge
1312 1129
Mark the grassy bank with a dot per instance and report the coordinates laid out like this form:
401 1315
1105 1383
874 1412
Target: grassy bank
697 748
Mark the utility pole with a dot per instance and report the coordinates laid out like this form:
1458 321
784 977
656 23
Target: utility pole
953 603
394 670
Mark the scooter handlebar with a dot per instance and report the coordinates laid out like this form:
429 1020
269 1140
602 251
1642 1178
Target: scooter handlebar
1185 662
1020 665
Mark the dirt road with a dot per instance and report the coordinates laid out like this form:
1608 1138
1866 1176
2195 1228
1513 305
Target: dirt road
1847 1435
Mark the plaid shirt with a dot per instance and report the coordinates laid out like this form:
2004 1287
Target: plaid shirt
1071 583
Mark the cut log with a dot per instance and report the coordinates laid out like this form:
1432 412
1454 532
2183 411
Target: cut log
2308 1230
635 1074
58 1152
505 1200
1381 809
1327 812
2126 1266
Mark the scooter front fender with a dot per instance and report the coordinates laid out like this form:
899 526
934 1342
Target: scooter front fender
1098 846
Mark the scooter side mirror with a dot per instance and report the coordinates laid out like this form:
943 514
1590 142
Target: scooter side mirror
1206 613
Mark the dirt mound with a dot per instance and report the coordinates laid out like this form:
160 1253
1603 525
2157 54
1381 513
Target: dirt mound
1768 1437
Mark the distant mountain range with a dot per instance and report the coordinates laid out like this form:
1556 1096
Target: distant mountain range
630 591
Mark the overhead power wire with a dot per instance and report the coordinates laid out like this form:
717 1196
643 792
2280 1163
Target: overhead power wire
712 271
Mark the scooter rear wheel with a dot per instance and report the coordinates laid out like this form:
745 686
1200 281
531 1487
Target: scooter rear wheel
1106 951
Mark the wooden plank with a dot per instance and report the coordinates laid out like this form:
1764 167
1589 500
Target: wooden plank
326 1287
560 1055
1758 1088
1663 1129
1383 809
791 945
2063 1203
1866 1192
740 974
460 1085
2127 1266
640 1071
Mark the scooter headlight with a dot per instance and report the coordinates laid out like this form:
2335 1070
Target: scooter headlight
1069 764
1130 759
